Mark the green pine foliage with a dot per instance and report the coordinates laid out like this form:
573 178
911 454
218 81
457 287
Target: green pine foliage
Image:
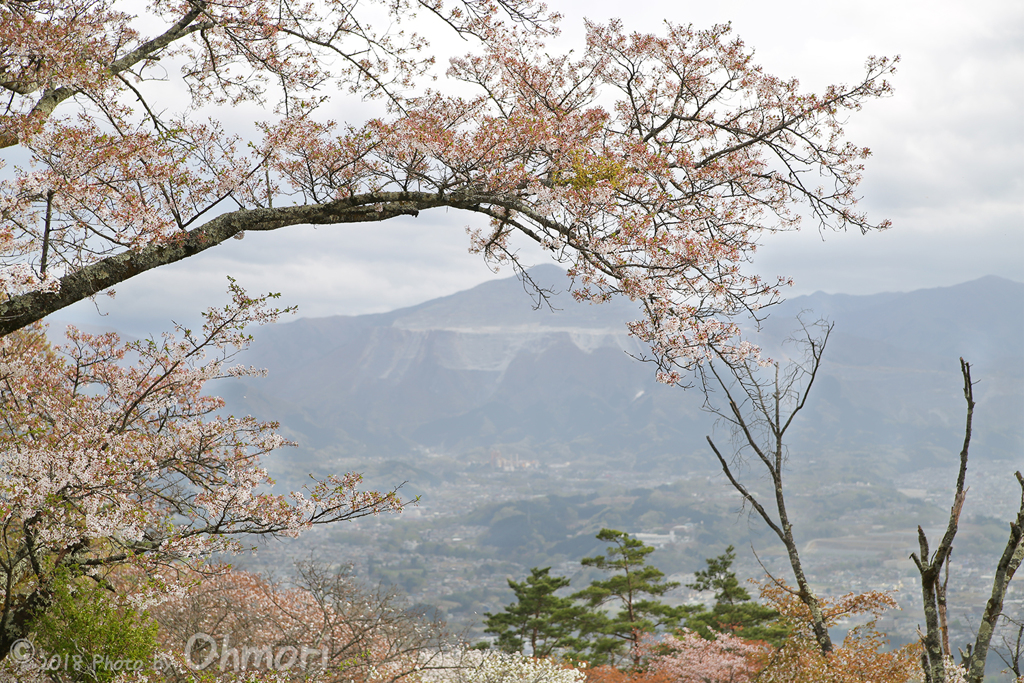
538 617
720 578
95 636
605 622
734 611
633 588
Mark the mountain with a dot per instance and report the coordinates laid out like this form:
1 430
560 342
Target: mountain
483 372
892 376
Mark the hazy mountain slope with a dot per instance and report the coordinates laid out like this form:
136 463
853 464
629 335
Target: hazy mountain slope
895 361
481 370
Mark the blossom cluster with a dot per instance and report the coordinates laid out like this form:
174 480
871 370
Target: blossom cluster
693 659
648 164
501 667
115 456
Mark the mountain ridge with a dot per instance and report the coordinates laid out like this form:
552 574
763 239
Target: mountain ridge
483 371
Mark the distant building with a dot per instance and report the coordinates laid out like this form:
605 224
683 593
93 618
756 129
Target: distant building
658 540
671 538
511 464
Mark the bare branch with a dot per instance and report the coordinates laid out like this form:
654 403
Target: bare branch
760 421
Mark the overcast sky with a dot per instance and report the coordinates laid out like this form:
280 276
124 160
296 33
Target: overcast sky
948 170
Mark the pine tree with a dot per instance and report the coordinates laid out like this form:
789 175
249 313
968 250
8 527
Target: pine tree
618 635
539 618
734 612
720 578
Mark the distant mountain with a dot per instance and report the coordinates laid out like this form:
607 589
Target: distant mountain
483 372
892 373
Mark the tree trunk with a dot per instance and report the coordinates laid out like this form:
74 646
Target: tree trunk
18 620
930 565
1011 558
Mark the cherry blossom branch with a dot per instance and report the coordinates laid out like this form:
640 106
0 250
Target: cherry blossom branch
114 456
18 311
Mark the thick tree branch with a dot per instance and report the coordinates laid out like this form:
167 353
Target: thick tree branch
19 311
745 493
52 97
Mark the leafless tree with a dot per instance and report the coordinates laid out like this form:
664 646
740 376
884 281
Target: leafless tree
930 566
760 412
1012 652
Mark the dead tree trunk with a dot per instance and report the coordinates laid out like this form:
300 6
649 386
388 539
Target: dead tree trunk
1010 560
930 567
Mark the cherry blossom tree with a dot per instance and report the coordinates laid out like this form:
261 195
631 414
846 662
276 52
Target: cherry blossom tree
237 621
650 164
114 457
690 658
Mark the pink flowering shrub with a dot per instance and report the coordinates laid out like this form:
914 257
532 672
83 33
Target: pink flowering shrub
689 658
